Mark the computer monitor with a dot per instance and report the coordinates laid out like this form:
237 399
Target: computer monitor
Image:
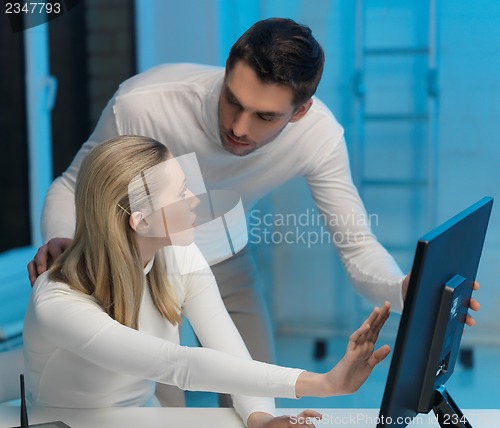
442 277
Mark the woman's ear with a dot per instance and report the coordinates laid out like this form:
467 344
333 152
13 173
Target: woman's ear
138 223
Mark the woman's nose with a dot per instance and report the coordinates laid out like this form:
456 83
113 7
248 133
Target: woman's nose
194 201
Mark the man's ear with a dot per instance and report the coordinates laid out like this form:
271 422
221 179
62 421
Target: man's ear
301 111
138 223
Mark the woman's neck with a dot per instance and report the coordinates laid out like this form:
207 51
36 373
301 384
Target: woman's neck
148 247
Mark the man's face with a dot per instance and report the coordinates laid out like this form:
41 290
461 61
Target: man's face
253 113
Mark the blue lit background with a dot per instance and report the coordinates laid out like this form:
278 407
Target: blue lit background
306 289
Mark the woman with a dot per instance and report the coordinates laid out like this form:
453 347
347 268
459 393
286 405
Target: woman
102 324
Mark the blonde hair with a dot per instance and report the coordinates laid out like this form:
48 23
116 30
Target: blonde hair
104 261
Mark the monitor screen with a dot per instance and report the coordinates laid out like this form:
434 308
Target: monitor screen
442 277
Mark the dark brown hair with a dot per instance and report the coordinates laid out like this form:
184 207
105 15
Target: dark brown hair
283 52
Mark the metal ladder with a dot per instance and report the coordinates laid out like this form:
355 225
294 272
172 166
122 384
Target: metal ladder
418 188
400 135
413 129
428 118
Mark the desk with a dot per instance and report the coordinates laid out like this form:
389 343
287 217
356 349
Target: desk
132 417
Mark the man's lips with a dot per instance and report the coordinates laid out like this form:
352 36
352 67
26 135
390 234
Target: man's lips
234 141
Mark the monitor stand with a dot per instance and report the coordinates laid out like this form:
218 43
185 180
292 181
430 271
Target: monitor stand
447 412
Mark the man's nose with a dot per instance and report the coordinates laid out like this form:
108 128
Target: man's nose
241 124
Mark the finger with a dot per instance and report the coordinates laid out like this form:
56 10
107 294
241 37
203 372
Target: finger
369 332
359 335
40 259
304 419
379 355
474 305
32 275
370 329
311 414
379 314
476 286
382 317
309 417
471 322
373 316
379 322
54 248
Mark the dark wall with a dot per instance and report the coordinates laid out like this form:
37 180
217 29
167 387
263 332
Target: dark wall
91 52
14 215
68 63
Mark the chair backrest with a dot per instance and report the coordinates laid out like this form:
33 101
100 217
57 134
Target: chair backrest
11 366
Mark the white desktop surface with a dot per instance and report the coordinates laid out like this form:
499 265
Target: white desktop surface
199 417
207 418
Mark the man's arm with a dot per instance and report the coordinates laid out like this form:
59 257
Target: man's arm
371 269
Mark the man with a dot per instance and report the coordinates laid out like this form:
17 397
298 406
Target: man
253 127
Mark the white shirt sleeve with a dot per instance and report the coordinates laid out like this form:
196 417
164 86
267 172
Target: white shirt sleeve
215 329
74 322
371 269
58 215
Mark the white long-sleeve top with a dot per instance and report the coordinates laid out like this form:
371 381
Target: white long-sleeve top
77 356
178 106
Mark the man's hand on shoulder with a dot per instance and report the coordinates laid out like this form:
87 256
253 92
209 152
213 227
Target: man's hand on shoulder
45 256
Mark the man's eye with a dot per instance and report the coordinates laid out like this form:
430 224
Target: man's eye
267 118
231 100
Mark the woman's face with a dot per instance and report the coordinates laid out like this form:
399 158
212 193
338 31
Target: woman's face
173 217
